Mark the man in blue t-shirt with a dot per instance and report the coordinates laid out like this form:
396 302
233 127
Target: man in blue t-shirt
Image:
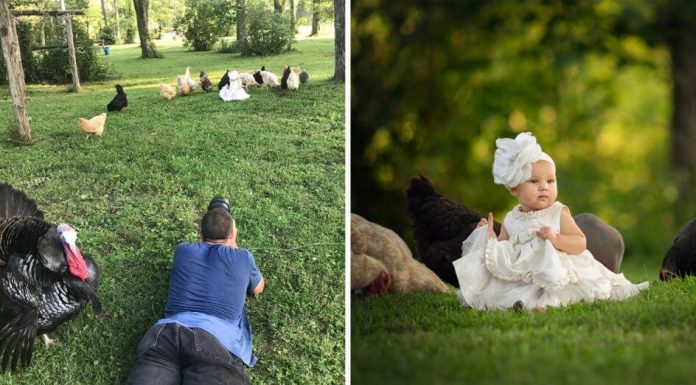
204 337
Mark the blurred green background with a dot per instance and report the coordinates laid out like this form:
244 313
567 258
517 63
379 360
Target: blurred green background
608 87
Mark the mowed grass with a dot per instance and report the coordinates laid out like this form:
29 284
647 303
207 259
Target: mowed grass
138 191
431 339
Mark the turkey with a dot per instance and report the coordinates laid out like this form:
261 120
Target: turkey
44 279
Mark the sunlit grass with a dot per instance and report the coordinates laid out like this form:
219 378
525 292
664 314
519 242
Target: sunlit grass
140 189
431 339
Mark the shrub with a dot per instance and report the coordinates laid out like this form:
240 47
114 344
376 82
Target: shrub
204 22
107 35
229 46
54 65
268 32
130 34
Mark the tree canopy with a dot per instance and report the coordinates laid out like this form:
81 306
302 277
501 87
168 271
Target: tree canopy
435 83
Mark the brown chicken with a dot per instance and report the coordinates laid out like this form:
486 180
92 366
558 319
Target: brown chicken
94 126
183 85
166 91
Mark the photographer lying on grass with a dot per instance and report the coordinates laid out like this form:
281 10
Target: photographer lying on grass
204 337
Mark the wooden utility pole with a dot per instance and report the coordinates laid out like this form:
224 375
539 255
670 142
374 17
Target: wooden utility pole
15 72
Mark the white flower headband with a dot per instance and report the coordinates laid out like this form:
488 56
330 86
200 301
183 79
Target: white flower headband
512 162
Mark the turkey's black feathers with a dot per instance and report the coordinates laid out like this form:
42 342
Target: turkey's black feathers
37 293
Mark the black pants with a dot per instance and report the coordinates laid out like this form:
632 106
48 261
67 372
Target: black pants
172 354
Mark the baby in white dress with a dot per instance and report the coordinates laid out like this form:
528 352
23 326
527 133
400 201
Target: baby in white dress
540 258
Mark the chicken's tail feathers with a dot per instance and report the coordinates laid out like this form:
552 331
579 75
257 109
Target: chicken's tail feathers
14 202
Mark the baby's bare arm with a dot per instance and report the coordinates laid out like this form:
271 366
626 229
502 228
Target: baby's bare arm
571 239
504 236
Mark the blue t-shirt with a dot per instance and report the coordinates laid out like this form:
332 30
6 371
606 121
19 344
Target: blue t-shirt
207 290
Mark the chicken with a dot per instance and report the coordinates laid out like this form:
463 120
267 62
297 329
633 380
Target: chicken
166 91
183 85
205 82
375 248
680 259
191 83
119 101
293 81
44 278
304 77
225 80
440 225
94 126
266 78
284 78
248 80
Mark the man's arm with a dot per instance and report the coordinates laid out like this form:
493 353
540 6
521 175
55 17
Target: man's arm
259 288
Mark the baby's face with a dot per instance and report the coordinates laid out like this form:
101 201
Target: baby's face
539 191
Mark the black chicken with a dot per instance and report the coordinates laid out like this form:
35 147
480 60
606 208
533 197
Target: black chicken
119 101
440 225
284 78
44 279
680 259
225 80
205 82
257 75
304 77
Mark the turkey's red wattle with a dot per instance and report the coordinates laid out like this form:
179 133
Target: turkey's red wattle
76 263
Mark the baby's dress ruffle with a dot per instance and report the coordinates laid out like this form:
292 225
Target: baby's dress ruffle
495 274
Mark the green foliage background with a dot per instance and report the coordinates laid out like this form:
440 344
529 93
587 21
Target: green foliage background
435 83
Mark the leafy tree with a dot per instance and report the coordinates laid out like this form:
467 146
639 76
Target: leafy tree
340 66
147 47
241 22
435 83
204 22
268 32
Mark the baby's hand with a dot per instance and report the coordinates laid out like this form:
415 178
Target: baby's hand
547 233
490 222
482 222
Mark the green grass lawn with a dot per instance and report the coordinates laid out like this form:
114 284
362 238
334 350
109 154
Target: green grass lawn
431 339
138 191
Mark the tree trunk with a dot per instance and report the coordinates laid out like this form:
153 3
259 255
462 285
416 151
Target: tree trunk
293 22
278 5
15 72
118 26
683 50
339 43
71 52
42 35
241 22
315 18
105 14
146 46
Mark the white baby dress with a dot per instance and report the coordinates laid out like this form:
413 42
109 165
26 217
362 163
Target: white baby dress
233 90
495 274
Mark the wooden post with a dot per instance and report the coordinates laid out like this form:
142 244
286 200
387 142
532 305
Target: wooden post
71 52
15 72
71 49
